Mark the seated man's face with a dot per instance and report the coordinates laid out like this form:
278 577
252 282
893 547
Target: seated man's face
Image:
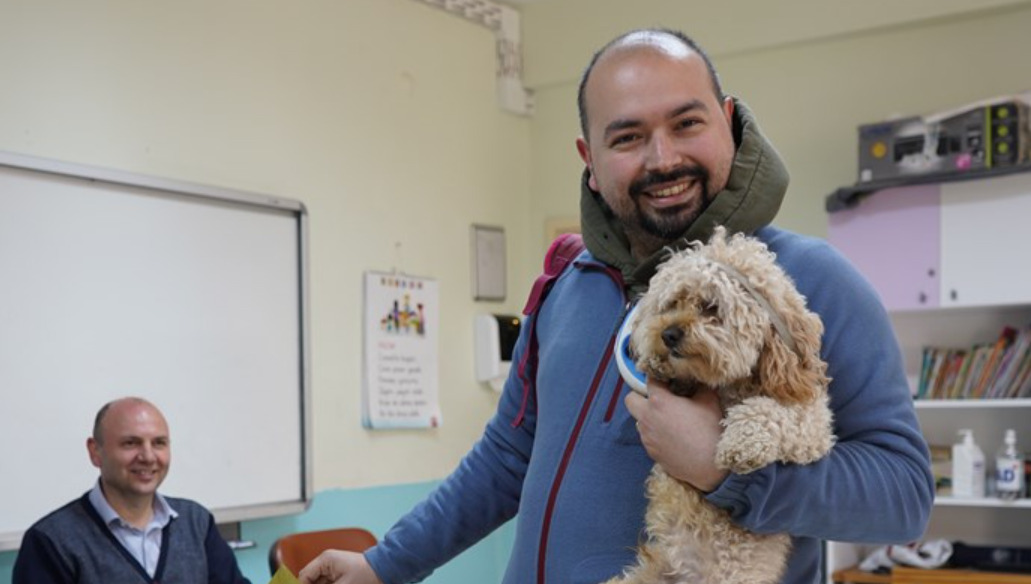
134 452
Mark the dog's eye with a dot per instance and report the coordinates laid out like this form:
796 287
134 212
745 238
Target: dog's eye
711 309
672 305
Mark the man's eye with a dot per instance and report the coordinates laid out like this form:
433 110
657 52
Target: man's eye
623 139
687 123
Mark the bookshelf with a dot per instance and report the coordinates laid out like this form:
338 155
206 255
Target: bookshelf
949 267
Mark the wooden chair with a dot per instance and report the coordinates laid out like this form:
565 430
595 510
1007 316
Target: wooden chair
295 550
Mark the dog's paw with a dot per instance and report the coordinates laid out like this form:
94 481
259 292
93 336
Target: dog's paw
749 441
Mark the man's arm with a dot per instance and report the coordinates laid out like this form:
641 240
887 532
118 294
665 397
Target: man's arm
876 484
39 562
222 566
481 494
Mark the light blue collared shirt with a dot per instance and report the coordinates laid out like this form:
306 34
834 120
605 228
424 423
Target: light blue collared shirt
144 544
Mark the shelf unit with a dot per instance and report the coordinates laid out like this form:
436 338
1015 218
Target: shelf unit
954 278
919 576
982 502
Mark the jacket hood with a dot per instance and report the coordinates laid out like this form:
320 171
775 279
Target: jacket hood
755 189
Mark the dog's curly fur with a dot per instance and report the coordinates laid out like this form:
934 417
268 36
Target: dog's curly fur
699 325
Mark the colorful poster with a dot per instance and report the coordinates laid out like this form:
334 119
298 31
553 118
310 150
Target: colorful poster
400 377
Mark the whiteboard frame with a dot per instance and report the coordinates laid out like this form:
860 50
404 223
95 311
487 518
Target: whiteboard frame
12 540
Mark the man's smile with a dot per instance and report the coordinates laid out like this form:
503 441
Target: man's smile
672 195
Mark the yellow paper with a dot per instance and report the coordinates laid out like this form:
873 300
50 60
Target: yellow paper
283 576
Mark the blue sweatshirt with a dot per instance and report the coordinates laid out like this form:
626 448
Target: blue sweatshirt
573 468
564 458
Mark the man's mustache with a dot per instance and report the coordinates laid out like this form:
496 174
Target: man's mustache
657 178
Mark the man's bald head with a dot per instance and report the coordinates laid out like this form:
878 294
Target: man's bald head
674 43
98 421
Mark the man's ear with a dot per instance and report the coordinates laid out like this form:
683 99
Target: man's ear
93 448
585 155
728 110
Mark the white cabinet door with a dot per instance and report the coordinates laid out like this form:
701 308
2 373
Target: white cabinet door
986 241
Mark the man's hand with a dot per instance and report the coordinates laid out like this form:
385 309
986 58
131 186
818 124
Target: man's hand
338 567
680 434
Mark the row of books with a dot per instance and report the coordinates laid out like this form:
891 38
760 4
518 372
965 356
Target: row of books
1001 369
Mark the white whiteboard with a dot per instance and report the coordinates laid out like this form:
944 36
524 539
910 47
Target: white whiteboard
193 297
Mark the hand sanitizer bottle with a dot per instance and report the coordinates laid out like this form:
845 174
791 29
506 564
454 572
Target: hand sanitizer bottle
967 467
1009 468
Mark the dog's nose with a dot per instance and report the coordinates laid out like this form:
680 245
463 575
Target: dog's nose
672 336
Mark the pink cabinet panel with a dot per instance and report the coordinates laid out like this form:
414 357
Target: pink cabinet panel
894 238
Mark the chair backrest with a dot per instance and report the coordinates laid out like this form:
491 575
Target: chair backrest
295 550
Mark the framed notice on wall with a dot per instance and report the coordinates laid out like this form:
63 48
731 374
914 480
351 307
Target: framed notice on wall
488 262
400 375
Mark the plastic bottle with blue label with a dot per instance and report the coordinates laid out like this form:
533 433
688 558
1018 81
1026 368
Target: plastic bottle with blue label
1009 468
968 468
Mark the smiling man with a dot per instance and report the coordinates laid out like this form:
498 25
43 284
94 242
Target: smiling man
668 157
122 530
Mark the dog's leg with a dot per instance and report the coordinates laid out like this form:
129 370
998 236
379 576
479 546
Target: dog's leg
677 515
749 558
814 433
690 541
759 431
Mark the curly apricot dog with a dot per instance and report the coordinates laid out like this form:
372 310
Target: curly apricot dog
724 315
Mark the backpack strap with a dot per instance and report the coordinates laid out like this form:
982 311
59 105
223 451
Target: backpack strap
560 255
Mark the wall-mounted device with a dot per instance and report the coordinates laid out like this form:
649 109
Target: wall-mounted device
494 338
991 134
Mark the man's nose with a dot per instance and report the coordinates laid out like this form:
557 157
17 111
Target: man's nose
146 452
662 153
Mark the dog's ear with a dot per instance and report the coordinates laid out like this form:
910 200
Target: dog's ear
791 377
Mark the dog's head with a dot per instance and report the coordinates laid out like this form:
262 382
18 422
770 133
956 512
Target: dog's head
724 313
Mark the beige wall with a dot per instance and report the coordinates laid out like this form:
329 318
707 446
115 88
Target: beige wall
562 34
809 95
380 115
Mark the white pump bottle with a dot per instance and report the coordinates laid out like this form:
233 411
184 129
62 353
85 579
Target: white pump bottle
968 468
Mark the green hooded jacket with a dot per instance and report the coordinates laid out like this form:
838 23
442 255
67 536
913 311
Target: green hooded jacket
756 186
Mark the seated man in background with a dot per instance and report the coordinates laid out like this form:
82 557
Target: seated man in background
123 531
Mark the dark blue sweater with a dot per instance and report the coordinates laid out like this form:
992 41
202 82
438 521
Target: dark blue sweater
73 546
574 467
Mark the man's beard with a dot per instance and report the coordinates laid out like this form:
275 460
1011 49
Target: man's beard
668 224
